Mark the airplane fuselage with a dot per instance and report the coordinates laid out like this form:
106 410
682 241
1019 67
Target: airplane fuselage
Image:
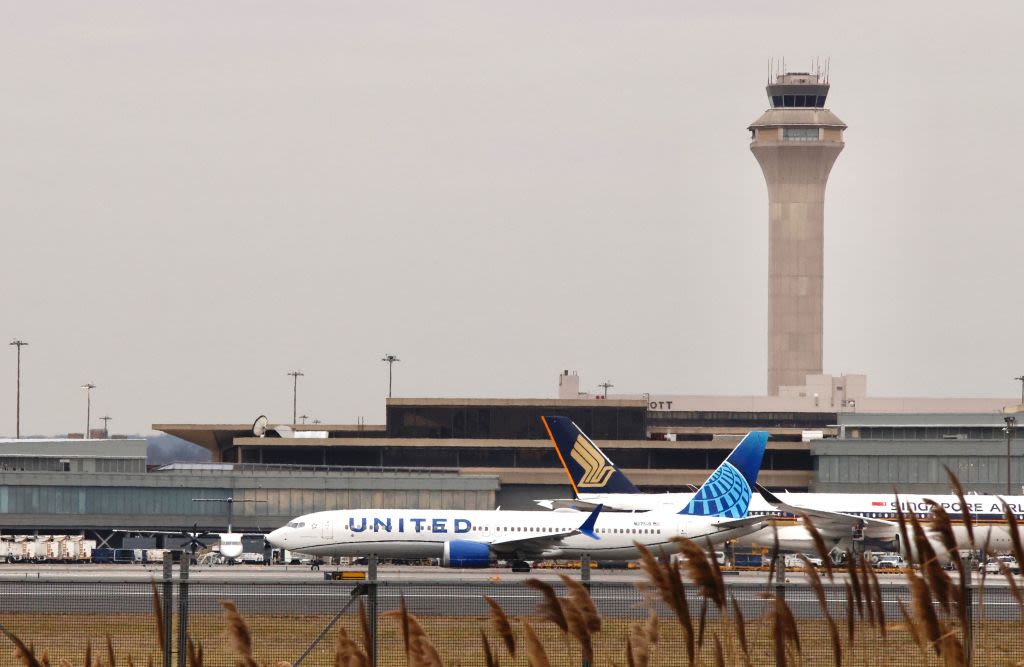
425 533
986 513
230 545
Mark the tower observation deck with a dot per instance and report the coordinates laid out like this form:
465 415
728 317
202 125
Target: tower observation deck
796 142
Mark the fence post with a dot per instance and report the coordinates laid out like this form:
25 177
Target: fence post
168 607
585 580
371 606
183 562
968 603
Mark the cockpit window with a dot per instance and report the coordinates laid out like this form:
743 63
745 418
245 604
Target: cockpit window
296 524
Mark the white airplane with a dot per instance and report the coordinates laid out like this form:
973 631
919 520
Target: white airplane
717 512
842 519
228 544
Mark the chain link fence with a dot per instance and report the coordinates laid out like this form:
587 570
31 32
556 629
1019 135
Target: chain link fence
285 618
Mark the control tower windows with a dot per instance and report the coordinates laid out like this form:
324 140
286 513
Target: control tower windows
800 133
798 101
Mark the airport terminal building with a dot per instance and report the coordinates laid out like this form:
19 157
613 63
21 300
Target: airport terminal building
505 439
479 454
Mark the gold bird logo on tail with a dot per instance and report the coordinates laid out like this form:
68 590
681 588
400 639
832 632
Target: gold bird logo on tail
595 472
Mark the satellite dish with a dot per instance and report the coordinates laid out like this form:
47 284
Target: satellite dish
259 427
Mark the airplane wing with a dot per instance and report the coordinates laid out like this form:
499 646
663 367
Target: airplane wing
536 543
826 521
730 524
146 531
567 503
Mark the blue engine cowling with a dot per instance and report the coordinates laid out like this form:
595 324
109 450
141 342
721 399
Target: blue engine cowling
463 553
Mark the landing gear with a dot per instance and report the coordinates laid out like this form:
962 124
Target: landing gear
520 566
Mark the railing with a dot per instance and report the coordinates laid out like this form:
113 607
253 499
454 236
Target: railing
256 469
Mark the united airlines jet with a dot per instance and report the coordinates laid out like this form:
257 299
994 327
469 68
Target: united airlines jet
716 512
841 518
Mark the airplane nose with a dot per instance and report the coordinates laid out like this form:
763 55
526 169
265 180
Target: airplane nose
277 537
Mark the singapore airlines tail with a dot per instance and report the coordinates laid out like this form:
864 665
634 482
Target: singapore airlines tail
590 471
728 491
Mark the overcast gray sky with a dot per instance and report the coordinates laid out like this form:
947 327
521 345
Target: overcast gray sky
198 197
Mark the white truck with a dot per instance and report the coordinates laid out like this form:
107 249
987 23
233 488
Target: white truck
50 550
154 555
30 549
46 548
78 550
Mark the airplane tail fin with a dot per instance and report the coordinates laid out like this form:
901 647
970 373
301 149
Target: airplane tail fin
727 492
589 470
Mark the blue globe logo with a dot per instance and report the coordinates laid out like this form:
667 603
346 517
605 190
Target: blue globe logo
725 494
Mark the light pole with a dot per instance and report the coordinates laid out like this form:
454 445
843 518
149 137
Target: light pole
390 359
295 394
17 406
1011 427
303 418
106 426
88 387
606 386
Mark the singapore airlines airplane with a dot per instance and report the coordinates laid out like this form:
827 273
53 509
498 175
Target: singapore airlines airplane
716 512
841 518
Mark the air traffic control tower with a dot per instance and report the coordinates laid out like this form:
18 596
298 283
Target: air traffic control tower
796 141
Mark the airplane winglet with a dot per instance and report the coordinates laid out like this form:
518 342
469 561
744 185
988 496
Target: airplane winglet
588 526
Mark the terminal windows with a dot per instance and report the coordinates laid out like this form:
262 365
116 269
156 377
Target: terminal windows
510 421
800 133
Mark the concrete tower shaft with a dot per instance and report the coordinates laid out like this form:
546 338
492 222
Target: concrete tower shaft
796 142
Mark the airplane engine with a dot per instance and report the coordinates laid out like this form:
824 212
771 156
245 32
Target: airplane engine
796 539
463 553
909 551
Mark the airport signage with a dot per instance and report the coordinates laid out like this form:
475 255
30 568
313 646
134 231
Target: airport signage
977 507
432 525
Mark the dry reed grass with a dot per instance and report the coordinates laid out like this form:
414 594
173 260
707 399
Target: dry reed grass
458 640
502 625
